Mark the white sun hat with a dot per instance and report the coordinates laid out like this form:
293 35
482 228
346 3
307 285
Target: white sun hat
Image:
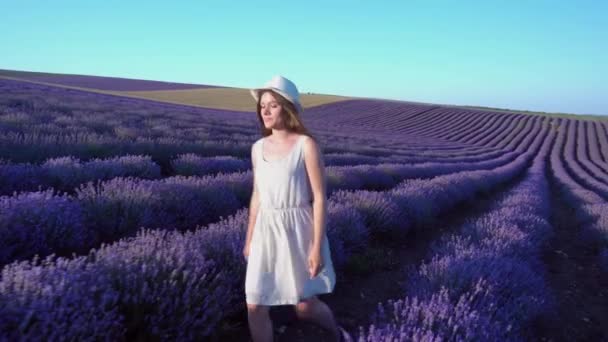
282 86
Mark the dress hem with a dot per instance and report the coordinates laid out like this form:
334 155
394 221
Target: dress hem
291 301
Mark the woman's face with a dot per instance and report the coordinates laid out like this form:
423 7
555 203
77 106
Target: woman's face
270 109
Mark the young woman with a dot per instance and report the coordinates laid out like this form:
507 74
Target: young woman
287 251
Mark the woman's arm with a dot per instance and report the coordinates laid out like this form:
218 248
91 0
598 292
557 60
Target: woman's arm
316 172
253 203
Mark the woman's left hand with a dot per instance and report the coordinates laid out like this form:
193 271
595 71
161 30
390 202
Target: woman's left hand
315 262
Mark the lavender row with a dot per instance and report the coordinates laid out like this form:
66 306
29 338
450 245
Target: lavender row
476 127
602 134
100 82
573 163
481 283
35 148
44 222
486 128
420 124
504 123
365 113
425 125
519 126
511 139
583 149
503 138
188 281
194 165
514 138
591 210
422 157
66 173
470 127
593 142
461 123
502 131
462 126
456 124
191 164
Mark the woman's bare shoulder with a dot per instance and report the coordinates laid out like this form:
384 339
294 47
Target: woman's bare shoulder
310 147
308 141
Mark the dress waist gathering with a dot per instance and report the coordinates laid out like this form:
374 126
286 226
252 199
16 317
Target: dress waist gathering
294 207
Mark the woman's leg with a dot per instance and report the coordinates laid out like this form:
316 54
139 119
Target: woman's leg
313 309
260 325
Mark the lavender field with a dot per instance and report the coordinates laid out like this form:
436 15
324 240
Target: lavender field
97 82
124 219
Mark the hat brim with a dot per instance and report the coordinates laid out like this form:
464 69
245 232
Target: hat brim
256 95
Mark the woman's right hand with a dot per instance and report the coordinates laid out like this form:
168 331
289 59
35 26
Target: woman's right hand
246 251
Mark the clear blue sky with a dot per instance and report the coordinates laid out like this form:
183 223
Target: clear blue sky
535 55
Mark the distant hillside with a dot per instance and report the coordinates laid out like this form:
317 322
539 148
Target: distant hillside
99 82
179 93
212 96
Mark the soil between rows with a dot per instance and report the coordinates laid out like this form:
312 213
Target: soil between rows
575 278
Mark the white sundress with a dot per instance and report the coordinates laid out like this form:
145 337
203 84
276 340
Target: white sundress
277 264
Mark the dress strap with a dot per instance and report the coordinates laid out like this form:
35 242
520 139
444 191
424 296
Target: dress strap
258 152
300 149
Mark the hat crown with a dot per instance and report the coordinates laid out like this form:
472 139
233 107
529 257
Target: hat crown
281 83
284 87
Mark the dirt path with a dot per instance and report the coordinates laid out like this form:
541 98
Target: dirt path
579 285
361 286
